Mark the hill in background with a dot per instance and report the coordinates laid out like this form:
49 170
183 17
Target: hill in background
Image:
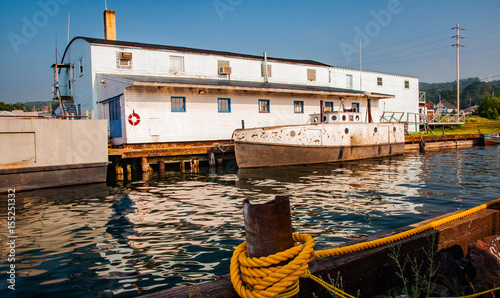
472 91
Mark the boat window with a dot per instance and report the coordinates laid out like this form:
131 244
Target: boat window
329 106
263 105
224 105
355 107
298 106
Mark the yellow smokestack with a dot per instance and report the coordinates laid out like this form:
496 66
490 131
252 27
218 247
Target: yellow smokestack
109 24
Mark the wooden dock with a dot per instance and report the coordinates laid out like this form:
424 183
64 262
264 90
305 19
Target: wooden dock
188 155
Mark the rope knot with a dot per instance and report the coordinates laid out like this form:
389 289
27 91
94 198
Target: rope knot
263 277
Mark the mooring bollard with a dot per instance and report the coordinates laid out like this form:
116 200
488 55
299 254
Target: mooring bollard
268 226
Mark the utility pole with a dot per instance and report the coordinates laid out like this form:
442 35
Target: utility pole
360 67
458 64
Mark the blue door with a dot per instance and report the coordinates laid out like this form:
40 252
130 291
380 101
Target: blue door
115 122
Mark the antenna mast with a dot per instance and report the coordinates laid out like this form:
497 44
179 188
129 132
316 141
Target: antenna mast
68 28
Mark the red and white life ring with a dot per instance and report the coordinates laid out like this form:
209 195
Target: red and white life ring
134 119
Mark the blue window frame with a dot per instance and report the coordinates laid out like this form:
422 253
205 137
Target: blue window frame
264 106
178 104
224 105
355 107
329 106
298 106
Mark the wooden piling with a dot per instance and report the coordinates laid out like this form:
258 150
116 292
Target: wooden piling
268 226
145 164
211 159
161 166
195 165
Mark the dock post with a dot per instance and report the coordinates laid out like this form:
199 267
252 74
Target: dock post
145 164
220 161
268 226
195 165
91 114
211 159
161 166
183 167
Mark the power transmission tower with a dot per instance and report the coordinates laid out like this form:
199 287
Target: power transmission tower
458 45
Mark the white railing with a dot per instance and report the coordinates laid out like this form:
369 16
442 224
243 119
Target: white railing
425 120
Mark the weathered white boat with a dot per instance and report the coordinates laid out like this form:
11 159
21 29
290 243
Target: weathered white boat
341 136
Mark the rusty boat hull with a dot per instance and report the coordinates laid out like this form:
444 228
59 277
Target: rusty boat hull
312 144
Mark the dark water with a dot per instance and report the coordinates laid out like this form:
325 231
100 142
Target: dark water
180 229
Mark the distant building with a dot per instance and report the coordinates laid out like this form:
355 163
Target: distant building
470 110
445 108
155 93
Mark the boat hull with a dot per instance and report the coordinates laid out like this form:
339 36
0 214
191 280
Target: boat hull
252 155
316 143
491 140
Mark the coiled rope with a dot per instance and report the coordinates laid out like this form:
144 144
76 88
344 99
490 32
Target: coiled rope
264 277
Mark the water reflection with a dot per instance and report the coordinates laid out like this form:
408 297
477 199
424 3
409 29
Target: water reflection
179 228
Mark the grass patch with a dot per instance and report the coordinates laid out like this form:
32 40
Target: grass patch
473 124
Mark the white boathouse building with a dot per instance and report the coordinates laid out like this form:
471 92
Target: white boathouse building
159 94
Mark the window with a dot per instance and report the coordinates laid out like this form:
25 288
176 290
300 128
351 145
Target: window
348 81
223 67
114 109
262 68
407 84
178 104
329 106
80 66
224 105
311 74
263 105
176 64
298 106
379 81
355 107
123 60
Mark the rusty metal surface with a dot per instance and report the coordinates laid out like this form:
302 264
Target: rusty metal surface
250 155
308 144
268 226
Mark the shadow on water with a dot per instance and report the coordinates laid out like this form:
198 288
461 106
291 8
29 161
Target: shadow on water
181 228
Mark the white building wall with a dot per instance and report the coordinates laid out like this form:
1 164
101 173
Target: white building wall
82 87
101 59
203 121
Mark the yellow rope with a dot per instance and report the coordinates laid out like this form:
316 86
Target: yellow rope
262 277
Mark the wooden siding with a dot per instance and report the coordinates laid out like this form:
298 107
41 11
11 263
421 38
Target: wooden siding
202 121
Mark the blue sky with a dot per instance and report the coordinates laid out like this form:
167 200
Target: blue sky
398 36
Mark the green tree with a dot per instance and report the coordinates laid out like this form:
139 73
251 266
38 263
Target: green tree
489 107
